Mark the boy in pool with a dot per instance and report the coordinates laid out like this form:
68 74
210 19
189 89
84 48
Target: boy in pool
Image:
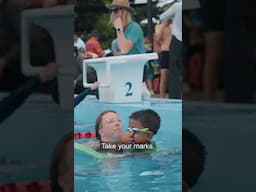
143 125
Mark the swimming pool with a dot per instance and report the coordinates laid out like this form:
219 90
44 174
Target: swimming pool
26 150
159 171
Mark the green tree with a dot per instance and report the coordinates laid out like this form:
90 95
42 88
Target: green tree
106 30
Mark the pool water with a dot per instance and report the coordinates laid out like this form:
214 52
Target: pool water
158 171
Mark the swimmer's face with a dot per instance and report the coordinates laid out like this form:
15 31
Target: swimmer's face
111 127
139 137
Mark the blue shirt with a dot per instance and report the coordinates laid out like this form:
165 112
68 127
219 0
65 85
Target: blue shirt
134 33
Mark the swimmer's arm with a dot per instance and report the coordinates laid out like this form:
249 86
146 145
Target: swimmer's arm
13 101
84 93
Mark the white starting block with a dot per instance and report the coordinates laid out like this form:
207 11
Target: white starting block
119 77
59 22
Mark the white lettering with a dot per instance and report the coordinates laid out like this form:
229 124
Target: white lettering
108 146
124 146
142 146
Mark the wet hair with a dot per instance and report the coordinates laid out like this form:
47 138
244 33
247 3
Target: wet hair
148 118
59 165
193 158
98 122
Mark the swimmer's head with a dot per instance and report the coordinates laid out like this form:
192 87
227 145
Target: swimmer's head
108 126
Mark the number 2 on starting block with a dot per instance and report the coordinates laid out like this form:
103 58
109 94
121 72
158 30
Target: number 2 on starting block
129 91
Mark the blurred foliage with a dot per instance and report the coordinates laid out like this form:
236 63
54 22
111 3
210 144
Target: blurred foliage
106 30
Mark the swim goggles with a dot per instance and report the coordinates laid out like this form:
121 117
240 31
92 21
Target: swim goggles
137 130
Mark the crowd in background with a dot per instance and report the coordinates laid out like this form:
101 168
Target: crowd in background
155 75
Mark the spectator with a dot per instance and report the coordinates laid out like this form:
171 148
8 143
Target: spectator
163 35
93 45
78 43
129 33
175 78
